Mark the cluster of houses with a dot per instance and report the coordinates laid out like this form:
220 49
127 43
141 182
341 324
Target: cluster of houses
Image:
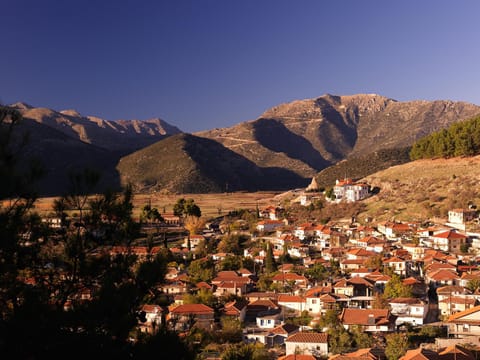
436 262
432 261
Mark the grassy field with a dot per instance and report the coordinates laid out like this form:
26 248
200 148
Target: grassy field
211 204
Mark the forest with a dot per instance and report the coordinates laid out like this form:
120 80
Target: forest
460 139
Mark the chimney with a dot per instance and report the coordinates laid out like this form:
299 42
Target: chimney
371 319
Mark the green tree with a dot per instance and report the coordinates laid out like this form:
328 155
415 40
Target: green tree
473 285
396 346
201 270
270 265
339 340
395 288
186 208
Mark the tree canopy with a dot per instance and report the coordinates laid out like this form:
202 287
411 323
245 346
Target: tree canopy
460 139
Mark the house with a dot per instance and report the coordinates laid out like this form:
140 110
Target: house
292 303
269 319
307 343
361 354
394 230
409 310
151 318
442 277
260 306
370 320
296 280
347 190
416 251
456 352
183 317
461 216
465 323
236 309
269 225
297 357
398 265
231 283
449 241
191 242
371 243
420 354
454 304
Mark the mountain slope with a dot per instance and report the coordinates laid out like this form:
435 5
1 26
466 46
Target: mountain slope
306 136
189 164
121 135
65 141
424 189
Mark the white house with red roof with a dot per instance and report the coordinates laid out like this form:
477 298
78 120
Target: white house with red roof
398 265
465 323
307 343
292 302
348 190
370 320
450 241
152 314
409 310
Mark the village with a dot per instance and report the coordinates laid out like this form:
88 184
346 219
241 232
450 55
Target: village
338 290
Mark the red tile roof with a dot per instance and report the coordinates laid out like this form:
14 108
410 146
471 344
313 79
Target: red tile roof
192 309
308 337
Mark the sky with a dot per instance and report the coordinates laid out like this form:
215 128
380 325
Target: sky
204 64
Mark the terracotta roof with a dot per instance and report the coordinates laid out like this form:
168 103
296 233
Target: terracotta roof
361 354
308 337
452 289
461 314
290 298
410 281
285 329
450 234
297 357
289 277
420 354
263 304
456 352
443 275
351 316
359 281
458 300
341 283
192 309
203 285
327 298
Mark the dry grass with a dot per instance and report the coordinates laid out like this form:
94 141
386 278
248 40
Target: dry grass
211 204
424 188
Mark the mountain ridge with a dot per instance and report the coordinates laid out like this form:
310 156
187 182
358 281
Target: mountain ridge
283 148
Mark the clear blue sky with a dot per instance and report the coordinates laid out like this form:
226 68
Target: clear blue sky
202 64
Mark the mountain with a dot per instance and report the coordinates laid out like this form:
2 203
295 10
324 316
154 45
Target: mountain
186 163
307 136
282 149
65 142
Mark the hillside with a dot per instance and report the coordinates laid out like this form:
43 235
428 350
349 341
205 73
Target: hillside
186 163
424 188
282 149
65 141
122 136
357 167
306 136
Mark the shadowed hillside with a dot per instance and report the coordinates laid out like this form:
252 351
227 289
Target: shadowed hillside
186 163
